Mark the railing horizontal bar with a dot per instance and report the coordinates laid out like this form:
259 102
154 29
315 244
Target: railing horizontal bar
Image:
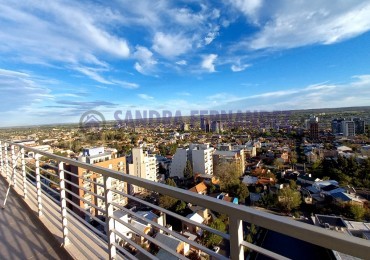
82 178
48 188
88 225
205 227
81 240
85 230
125 252
85 190
51 166
132 243
263 251
85 212
46 171
151 239
46 178
90 204
50 197
173 233
75 242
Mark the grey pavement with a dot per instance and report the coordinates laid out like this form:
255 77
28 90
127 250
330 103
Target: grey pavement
22 235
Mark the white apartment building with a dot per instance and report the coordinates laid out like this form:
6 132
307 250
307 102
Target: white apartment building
200 155
143 166
202 158
179 162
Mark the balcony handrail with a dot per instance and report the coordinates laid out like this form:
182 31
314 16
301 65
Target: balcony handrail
316 235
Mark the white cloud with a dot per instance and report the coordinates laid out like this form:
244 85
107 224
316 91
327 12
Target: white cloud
125 84
145 96
52 32
211 36
248 7
146 62
93 73
169 45
208 62
20 89
181 62
289 24
239 67
354 93
12 73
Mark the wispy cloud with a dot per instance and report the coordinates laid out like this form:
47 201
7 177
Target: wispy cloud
146 62
125 84
170 45
239 67
289 24
181 62
145 96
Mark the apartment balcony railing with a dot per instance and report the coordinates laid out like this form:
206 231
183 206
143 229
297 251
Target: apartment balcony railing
52 200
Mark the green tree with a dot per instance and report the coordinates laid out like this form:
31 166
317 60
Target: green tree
293 157
278 163
188 171
166 201
211 239
288 199
356 212
241 191
229 174
181 206
76 146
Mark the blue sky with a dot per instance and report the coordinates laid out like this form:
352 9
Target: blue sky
59 59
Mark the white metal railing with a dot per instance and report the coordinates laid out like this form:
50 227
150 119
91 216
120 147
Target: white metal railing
27 178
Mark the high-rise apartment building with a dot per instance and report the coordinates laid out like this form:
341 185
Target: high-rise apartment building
200 156
359 125
314 127
144 166
86 183
336 126
348 128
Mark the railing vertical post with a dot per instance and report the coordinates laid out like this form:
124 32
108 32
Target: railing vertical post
63 203
236 237
110 221
23 163
1 158
6 162
38 185
14 165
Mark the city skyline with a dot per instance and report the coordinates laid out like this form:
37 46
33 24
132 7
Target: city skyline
63 58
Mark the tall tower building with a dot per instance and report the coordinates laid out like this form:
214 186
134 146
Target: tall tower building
336 126
200 156
144 166
348 128
314 127
359 125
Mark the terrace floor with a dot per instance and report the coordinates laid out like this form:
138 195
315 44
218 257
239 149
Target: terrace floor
22 235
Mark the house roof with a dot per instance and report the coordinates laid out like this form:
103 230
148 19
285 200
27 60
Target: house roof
329 187
331 220
344 148
195 217
169 241
201 187
250 179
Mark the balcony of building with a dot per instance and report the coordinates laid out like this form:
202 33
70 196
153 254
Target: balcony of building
47 222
